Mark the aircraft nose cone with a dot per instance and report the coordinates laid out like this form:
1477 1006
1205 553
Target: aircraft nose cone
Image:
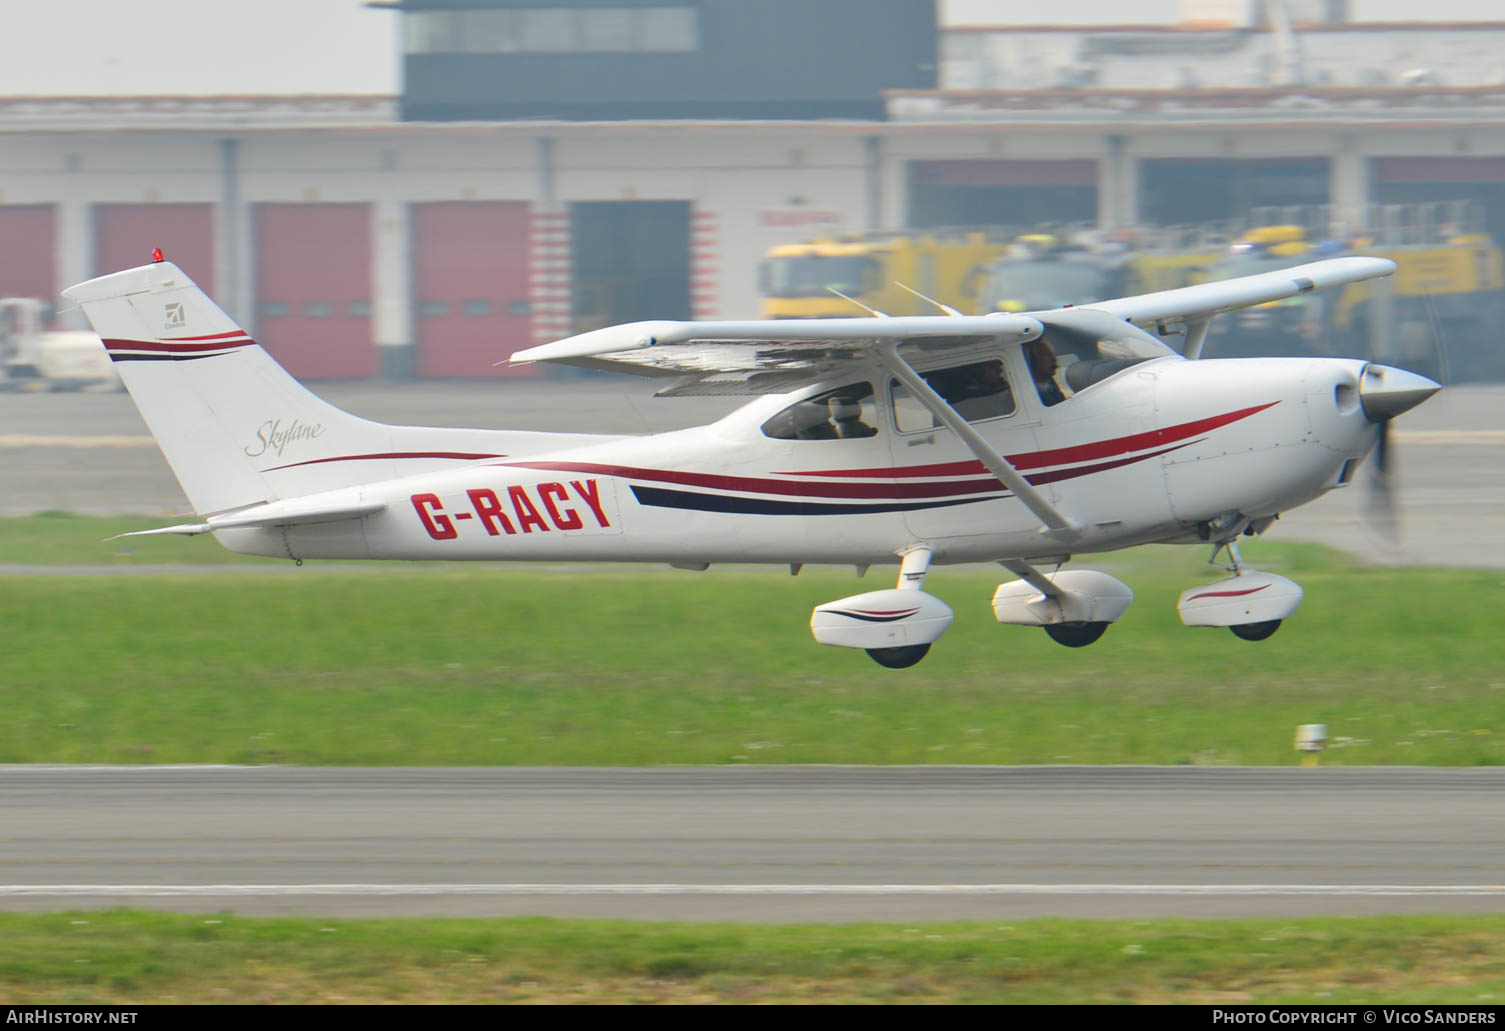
1386 392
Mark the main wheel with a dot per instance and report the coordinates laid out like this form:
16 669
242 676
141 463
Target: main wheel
1256 631
899 658
1075 635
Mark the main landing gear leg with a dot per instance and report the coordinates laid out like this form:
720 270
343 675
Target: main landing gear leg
912 570
896 626
1073 606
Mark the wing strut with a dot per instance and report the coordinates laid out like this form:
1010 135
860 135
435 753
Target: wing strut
1056 521
1196 336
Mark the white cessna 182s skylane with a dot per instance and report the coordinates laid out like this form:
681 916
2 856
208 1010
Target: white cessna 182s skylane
1023 439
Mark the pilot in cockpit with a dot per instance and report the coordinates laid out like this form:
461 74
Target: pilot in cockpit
1041 358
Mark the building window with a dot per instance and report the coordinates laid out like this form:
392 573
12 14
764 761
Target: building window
553 30
664 29
607 29
550 31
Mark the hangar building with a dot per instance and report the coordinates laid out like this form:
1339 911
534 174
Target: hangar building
549 168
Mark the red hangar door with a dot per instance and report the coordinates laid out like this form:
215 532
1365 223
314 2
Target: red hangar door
28 259
470 288
125 234
313 288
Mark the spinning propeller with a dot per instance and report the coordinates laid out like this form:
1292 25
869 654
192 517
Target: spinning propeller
1384 393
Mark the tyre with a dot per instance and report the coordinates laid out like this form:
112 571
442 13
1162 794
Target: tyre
1256 631
1075 635
899 658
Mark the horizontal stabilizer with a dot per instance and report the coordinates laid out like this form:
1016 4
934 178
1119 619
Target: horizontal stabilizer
277 513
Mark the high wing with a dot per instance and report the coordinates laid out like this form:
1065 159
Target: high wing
768 355
1193 304
773 355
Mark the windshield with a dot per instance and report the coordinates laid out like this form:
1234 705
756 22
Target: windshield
1043 285
809 275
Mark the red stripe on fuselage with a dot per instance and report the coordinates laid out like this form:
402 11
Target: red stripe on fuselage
459 456
753 485
759 485
1054 456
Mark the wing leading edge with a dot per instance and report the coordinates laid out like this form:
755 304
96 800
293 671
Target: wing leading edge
1203 301
771 355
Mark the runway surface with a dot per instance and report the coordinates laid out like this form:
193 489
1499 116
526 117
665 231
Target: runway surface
765 844
91 453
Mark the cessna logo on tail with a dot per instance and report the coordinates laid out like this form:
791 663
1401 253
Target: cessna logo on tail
174 316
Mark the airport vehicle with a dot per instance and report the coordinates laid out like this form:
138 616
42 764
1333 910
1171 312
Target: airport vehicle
1024 439
1447 291
1049 270
797 279
33 357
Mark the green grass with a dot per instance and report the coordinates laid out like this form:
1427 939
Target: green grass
126 957
64 539
426 664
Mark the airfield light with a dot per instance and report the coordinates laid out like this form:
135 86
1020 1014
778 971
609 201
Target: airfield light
1311 738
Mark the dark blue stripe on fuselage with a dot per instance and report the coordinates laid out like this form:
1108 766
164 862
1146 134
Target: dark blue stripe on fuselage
658 497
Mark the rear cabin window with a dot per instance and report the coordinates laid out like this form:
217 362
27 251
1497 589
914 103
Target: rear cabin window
842 414
978 391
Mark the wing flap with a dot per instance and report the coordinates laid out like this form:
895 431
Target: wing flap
801 348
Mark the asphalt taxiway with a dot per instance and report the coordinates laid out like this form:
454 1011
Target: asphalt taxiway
764 844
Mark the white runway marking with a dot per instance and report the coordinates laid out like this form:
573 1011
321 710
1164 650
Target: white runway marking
387 890
1490 438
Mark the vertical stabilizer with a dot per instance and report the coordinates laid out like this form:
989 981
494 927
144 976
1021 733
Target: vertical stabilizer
225 414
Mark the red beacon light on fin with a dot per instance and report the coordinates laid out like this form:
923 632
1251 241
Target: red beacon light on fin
157 255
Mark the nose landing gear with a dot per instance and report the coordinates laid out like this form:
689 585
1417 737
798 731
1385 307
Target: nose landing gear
1249 603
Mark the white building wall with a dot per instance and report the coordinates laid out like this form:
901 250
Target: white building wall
1172 58
750 186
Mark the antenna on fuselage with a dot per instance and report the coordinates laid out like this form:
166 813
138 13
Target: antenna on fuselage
928 300
871 311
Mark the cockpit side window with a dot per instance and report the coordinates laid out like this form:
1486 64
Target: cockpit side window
842 414
1085 354
978 391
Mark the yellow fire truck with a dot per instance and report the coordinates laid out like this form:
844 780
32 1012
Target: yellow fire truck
796 279
1439 309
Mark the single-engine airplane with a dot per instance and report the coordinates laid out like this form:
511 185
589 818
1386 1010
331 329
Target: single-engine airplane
1023 439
